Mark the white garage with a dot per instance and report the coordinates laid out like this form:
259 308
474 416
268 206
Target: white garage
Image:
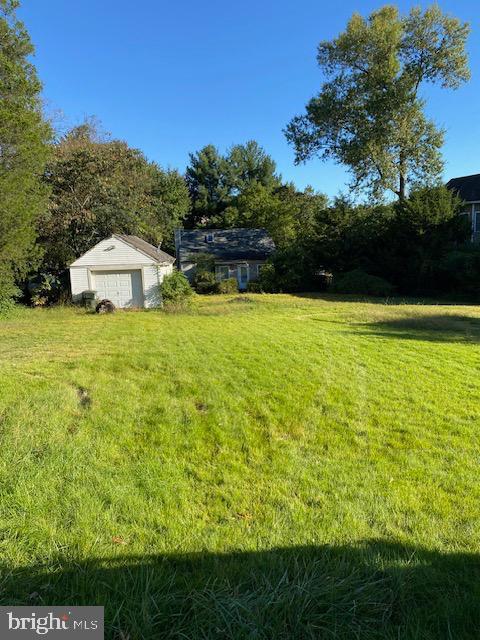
124 269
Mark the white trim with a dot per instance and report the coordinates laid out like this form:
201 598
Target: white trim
116 267
239 280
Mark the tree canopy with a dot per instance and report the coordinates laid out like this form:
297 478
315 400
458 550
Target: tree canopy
101 187
24 135
215 180
369 114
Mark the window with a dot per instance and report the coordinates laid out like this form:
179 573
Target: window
253 271
221 272
209 237
476 218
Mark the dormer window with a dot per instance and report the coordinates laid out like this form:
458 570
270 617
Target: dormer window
209 237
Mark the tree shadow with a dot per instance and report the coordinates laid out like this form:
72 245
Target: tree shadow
393 301
374 589
430 328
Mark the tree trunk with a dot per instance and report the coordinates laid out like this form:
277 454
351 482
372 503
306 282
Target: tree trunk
401 181
401 188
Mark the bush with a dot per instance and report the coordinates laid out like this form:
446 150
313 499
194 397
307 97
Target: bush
267 280
205 282
459 271
6 304
175 289
44 289
254 286
229 285
358 281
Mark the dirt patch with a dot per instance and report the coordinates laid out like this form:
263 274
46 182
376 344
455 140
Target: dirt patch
83 397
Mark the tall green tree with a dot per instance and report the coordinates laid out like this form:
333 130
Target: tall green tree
207 182
24 135
101 187
249 164
216 180
369 115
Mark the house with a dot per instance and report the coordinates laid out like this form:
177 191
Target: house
124 269
468 189
238 253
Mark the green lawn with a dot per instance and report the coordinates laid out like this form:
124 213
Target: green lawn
260 467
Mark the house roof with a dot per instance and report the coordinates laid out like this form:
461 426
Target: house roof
145 247
227 244
467 187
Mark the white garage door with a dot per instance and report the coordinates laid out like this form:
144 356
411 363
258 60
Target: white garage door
123 288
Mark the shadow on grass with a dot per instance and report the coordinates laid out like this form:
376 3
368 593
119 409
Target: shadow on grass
376 589
431 328
390 301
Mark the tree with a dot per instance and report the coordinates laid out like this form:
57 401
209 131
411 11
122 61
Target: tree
249 164
287 214
206 177
100 187
24 135
369 115
215 181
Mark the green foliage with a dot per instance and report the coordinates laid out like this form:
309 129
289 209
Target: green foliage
459 271
203 261
44 289
267 278
215 181
254 286
369 114
24 136
403 243
229 285
204 281
100 187
357 281
426 227
175 289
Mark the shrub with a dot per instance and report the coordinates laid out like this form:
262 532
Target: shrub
254 286
6 304
205 282
175 289
229 285
44 289
358 281
267 279
459 270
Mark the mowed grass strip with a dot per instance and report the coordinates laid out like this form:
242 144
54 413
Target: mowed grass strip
258 467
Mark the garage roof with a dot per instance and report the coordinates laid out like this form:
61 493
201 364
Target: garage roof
145 247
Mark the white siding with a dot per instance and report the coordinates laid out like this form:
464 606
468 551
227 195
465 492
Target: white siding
112 252
152 277
79 282
112 255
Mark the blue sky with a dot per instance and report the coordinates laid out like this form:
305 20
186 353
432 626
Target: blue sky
170 77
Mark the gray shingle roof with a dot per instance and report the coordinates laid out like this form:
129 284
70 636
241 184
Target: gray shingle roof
467 187
227 244
156 254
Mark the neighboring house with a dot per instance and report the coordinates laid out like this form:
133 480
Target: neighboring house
124 269
238 253
468 189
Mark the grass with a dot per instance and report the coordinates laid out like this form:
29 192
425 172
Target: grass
260 467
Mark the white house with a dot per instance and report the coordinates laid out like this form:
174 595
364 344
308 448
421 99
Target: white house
124 269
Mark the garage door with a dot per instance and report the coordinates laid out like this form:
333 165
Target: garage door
123 288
